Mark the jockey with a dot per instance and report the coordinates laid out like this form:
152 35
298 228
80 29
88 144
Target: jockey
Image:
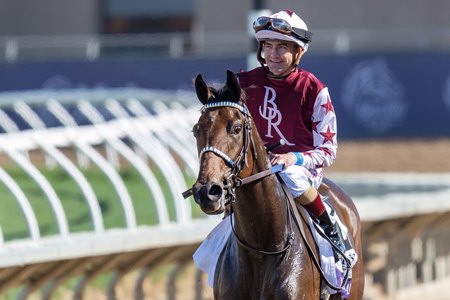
291 104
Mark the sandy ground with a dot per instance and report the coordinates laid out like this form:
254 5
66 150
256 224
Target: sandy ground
393 156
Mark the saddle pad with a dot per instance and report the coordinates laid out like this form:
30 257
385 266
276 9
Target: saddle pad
207 254
334 270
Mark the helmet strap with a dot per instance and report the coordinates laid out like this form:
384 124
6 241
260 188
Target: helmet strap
259 57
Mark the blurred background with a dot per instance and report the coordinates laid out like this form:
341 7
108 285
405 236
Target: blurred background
387 66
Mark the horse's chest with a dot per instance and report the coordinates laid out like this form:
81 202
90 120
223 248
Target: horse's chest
263 279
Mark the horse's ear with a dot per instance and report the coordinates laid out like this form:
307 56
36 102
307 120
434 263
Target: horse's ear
202 90
233 86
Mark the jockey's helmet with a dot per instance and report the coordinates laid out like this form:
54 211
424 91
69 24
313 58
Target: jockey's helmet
284 25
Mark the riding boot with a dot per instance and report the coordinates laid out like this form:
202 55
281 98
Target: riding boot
332 231
312 202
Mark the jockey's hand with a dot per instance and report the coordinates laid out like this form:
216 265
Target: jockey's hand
285 159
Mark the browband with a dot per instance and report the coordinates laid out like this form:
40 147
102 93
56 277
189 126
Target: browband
242 108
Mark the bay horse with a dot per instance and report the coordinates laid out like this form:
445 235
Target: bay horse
266 257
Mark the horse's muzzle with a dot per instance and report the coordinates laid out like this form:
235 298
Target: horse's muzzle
209 197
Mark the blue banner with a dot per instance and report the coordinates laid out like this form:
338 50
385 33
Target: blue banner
404 95
375 96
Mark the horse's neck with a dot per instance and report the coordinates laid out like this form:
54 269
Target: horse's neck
268 189
260 209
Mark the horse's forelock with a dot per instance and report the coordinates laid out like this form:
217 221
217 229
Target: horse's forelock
221 92
225 94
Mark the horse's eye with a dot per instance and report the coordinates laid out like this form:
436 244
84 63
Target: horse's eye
195 130
236 129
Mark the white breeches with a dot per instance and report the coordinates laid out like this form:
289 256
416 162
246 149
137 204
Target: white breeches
298 179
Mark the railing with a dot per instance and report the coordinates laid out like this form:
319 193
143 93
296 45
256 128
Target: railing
137 129
215 44
93 47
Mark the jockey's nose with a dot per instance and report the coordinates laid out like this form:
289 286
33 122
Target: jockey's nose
207 192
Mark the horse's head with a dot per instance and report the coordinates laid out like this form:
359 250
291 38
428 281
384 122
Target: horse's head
223 140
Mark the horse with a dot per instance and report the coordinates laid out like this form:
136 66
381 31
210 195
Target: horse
268 256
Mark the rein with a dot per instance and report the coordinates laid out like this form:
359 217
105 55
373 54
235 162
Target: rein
288 244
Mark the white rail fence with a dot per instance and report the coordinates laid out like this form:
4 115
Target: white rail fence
146 130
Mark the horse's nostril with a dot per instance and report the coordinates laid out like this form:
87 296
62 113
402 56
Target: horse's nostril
215 192
208 192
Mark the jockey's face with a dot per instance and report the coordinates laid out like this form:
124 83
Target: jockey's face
281 56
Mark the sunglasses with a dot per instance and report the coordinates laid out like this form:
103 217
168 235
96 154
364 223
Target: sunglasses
281 26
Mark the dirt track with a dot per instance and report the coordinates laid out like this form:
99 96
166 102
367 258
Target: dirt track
393 156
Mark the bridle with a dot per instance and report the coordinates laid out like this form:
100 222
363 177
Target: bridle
233 181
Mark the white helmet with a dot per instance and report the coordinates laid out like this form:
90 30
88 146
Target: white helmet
284 25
